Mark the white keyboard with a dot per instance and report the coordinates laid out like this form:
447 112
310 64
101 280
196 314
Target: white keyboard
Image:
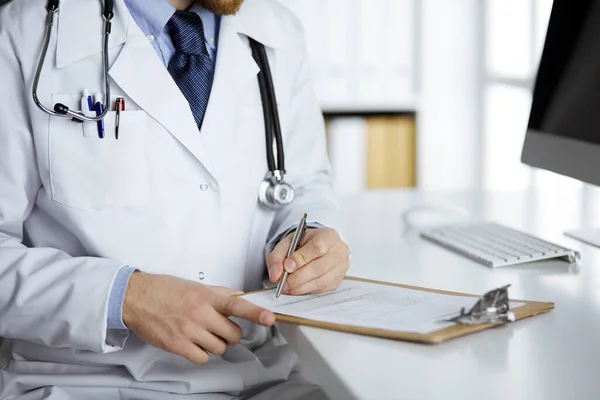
496 245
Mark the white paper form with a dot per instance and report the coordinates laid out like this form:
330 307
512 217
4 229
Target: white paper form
370 305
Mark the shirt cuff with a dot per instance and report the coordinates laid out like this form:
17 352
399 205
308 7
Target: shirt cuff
117 296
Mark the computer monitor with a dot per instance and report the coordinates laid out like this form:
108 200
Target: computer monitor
563 133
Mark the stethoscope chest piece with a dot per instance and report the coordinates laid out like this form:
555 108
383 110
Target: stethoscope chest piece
274 192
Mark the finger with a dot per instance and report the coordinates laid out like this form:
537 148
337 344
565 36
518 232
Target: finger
313 270
275 272
318 243
193 353
224 291
225 328
277 257
210 342
324 283
238 307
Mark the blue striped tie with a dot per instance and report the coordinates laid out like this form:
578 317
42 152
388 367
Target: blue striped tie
191 67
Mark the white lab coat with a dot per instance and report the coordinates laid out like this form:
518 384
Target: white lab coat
164 198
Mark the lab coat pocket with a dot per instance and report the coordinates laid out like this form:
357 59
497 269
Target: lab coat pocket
94 174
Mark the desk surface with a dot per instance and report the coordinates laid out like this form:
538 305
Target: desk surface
551 356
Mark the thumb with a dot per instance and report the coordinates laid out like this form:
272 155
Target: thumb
224 291
277 257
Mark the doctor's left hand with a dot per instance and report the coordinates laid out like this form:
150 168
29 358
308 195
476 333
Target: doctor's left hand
318 266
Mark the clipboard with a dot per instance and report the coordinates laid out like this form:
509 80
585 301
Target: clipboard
528 309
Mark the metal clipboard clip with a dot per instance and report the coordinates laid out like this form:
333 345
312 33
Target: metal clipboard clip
491 308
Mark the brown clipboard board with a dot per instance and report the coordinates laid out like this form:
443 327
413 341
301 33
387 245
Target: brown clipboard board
528 309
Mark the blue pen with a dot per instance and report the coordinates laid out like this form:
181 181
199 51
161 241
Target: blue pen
99 101
90 104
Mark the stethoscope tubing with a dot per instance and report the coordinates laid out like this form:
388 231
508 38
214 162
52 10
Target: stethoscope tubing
274 111
60 110
270 111
266 111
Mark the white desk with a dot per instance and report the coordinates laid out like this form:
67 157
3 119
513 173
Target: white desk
552 356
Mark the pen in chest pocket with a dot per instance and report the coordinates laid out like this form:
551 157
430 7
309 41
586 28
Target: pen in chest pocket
87 108
119 106
99 101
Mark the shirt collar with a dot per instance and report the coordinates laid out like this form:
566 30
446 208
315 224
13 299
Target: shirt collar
151 19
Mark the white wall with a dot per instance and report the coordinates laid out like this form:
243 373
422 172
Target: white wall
449 118
361 51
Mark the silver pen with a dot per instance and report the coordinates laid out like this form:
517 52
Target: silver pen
298 235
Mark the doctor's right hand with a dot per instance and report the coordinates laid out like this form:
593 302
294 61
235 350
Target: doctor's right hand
187 318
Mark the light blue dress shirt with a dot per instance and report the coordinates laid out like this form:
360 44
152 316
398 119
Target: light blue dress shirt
152 19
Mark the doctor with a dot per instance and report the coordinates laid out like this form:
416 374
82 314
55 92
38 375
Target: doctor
120 257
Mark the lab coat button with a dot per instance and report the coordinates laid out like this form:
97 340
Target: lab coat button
151 38
204 187
201 276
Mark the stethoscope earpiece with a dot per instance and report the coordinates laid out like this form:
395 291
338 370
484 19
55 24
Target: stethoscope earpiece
61 109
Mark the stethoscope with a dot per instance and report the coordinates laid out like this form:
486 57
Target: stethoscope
274 192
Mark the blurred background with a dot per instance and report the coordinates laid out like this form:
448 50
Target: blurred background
432 94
